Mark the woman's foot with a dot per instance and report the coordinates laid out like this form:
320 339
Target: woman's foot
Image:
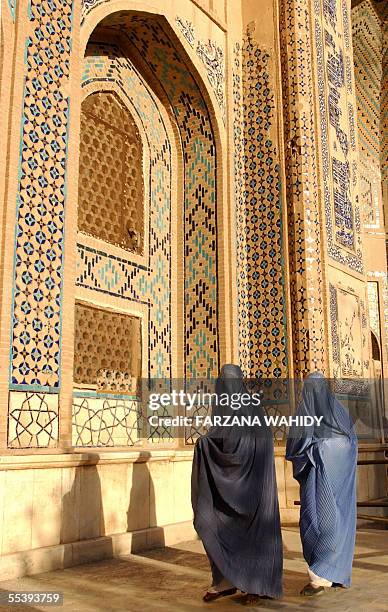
310 591
212 595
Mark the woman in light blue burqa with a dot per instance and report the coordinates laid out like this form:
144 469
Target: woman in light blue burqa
324 462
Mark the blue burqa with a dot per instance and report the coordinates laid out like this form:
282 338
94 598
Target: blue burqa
324 462
234 498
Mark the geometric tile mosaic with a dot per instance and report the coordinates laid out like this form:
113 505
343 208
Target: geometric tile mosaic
367 52
99 421
259 241
32 419
261 301
41 196
110 274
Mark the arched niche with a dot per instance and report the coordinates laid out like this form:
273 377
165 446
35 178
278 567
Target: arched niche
124 48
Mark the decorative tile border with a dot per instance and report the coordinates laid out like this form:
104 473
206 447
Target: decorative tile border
336 93
368 68
212 56
12 8
38 264
200 198
213 59
187 29
309 336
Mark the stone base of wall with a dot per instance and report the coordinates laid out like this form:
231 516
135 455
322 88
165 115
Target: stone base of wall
50 558
59 510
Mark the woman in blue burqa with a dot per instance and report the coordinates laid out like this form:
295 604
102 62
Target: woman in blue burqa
324 459
234 498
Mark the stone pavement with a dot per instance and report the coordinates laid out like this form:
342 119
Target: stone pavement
173 579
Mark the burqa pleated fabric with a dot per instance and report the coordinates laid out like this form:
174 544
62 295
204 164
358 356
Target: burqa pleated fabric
234 498
324 463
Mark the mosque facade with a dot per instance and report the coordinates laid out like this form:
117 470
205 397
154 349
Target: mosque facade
183 184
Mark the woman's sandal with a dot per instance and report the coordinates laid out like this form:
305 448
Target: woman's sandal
310 591
209 596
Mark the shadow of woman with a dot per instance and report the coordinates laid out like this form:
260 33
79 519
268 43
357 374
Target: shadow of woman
83 515
141 515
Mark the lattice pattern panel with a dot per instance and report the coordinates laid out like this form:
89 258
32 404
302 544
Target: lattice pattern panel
111 194
32 420
304 231
106 273
107 349
261 300
41 196
106 422
333 39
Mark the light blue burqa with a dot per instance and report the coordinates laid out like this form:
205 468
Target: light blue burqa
324 462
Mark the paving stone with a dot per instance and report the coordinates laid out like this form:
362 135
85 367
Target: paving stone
174 578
